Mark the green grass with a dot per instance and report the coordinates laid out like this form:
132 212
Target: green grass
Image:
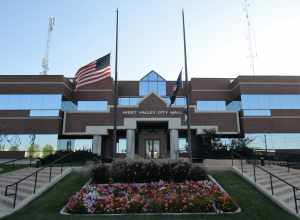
254 205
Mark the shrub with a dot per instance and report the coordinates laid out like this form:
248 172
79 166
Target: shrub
119 171
101 173
180 170
196 173
139 171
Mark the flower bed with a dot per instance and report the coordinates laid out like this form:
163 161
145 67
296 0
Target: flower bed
155 197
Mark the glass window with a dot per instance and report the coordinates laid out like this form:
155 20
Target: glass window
38 113
30 101
152 82
274 101
233 106
180 101
182 145
122 146
275 140
69 106
23 142
92 106
211 106
83 144
127 101
257 112
65 144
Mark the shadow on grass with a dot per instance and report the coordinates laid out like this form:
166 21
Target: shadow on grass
254 205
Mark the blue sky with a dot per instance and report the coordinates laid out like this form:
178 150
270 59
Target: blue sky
151 36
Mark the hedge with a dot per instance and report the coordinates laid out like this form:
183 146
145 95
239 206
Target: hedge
143 171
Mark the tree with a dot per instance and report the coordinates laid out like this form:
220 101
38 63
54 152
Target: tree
33 150
3 139
213 140
48 150
240 143
14 148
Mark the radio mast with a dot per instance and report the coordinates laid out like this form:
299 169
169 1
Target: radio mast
250 37
46 56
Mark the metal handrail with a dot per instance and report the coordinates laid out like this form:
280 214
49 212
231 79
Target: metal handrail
271 175
35 181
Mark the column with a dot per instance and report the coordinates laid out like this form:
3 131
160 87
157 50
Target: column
96 144
130 135
173 144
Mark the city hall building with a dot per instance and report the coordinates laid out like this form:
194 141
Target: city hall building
47 110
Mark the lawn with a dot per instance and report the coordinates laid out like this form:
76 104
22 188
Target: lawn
254 205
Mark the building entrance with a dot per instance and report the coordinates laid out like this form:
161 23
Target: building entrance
152 148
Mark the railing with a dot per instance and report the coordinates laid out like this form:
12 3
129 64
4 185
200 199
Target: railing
35 174
271 176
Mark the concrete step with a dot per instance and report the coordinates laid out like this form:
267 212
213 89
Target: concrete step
282 191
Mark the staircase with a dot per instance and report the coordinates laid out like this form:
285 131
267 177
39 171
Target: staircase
281 184
25 190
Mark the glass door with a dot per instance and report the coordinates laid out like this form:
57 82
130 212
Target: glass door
152 148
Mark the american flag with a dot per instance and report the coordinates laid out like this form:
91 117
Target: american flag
93 72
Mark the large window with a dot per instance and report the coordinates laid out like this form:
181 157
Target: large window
127 101
23 142
270 101
214 106
122 146
233 106
38 104
179 101
92 106
261 104
152 82
182 145
69 106
275 140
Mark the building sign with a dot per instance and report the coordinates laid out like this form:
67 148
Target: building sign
152 113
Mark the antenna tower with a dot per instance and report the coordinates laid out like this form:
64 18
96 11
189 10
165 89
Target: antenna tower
46 56
250 37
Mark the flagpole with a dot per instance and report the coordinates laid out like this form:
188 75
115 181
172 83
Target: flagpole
115 90
187 91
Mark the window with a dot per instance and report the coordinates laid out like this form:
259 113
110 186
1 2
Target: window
261 104
152 82
83 144
211 106
65 144
127 101
257 112
30 101
274 140
92 106
274 101
180 101
69 106
182 145
23 141
122 146
39 113
233 106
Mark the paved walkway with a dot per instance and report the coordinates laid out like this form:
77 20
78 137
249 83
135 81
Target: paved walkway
283 193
